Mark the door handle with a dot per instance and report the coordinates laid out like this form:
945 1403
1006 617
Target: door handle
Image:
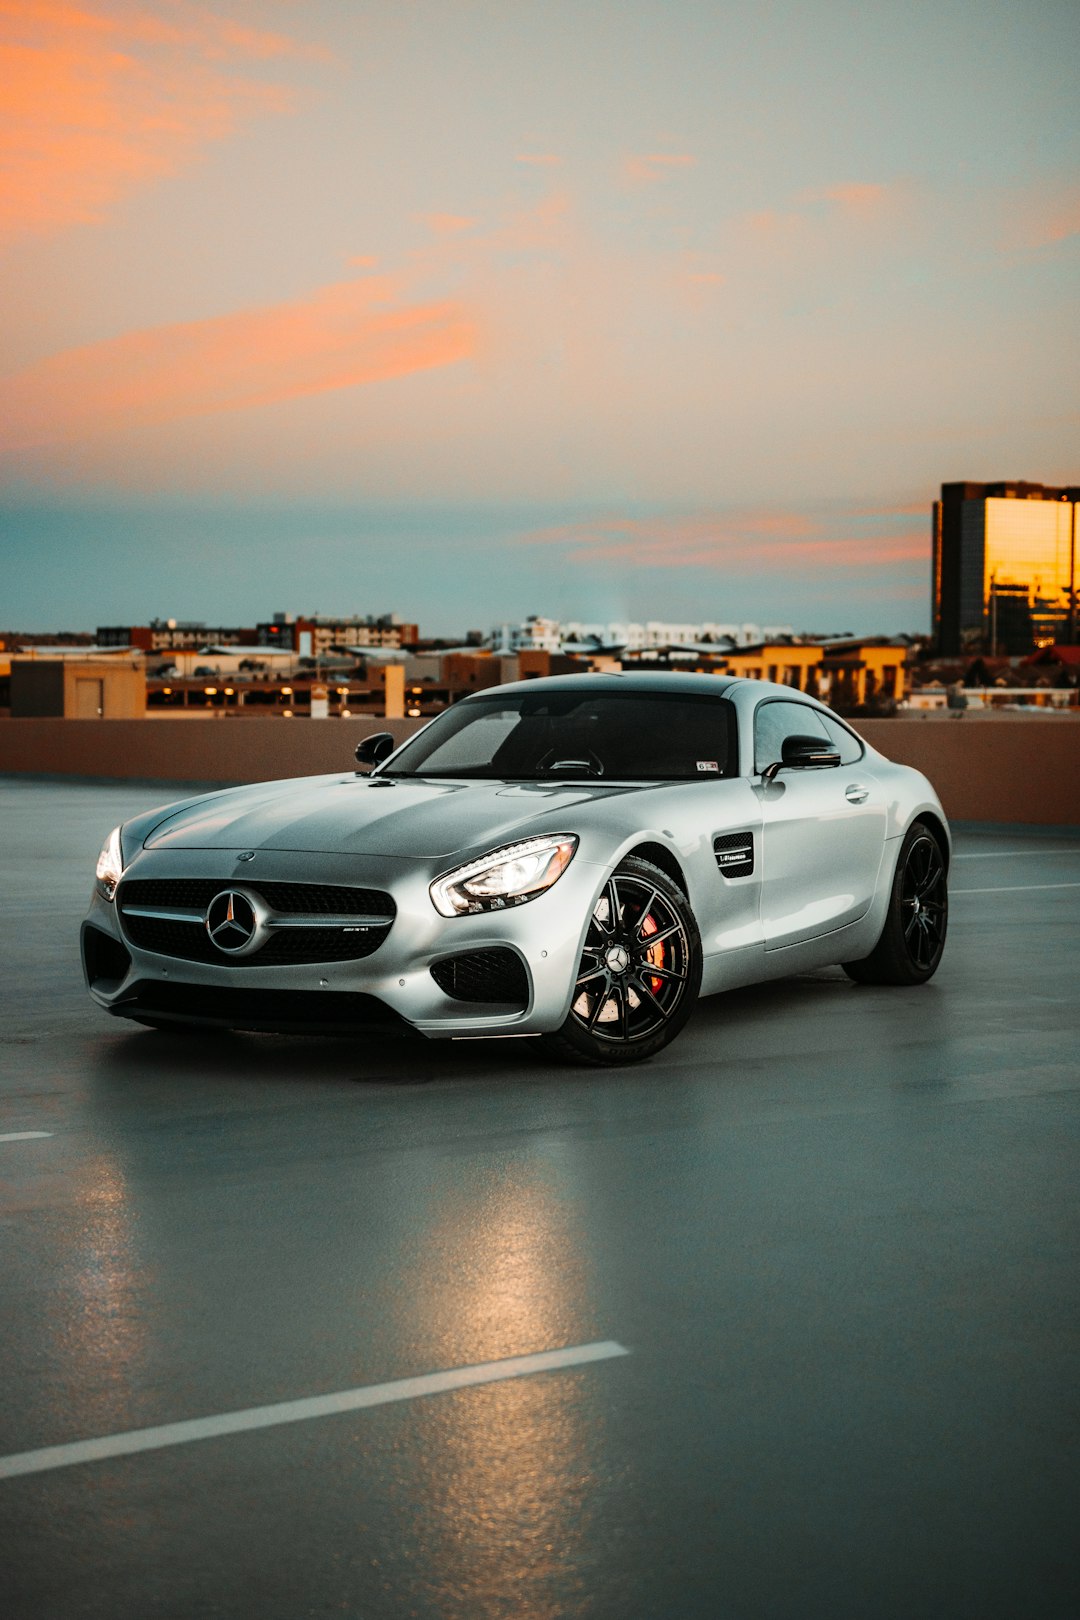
855 793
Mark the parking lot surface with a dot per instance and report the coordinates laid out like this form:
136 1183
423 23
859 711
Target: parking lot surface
813 1274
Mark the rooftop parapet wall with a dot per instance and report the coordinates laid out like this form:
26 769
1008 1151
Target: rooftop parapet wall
986 768
1015 768
187 750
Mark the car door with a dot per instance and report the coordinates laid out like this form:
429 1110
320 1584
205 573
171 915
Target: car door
823 830
727 902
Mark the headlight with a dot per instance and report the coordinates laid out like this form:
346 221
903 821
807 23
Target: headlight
110 865
504 877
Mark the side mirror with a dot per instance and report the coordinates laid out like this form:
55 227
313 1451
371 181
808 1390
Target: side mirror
802 754
373 750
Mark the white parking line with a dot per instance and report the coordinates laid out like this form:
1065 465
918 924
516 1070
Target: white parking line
1012 854
1015 888
315 1406
23 1136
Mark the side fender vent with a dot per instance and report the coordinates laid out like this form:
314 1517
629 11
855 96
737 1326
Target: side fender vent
734 854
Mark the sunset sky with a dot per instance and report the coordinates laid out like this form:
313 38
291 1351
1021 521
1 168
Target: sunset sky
461 310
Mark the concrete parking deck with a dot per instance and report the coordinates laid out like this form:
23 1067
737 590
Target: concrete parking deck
833 1230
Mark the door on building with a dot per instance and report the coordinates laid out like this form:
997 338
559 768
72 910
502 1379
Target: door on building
89 698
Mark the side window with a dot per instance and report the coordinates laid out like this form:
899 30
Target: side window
851 749
776 720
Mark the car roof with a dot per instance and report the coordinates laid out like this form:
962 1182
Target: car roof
615 681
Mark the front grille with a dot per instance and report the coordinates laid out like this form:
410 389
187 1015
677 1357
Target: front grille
735 854
310 898
189 941
325 1012
286 946
497 975
300 943
320 945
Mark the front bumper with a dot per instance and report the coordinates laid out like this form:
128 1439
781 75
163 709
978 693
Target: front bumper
392 987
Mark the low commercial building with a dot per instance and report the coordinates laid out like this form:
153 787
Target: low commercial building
78 689
550 635
319 634
172 635
854 674
850 674
791 663
222 660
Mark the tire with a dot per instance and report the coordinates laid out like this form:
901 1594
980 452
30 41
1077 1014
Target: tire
913 938
639 974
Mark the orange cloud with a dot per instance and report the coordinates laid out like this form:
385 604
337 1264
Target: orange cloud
100 102
1043 217
769 222
1061 227
854 197
751 542
645 169
449 224
343 336
852 200
540 159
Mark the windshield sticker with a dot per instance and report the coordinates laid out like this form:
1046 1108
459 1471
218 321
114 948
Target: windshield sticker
707 765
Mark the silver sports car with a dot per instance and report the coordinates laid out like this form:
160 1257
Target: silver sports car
578 859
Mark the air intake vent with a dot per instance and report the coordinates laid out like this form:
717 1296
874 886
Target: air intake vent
735 854
497 976
326 1012
104 958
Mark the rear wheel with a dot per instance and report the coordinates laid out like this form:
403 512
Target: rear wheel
913 937
639 973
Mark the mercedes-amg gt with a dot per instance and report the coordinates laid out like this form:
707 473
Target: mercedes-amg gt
576 858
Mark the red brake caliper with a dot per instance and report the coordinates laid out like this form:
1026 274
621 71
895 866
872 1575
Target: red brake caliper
656 954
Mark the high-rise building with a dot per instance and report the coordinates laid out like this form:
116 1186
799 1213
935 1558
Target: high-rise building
1005 575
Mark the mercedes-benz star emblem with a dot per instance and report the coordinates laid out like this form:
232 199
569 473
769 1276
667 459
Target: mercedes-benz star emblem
231 921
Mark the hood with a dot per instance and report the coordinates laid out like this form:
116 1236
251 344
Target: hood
349 815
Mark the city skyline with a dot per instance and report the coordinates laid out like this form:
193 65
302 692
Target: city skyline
470 313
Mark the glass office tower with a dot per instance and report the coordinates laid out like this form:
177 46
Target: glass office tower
1005 578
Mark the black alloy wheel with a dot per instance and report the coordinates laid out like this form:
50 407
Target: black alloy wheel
924 902
913 938
639 973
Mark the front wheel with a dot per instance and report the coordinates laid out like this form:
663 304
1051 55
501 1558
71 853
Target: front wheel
639 973
913 938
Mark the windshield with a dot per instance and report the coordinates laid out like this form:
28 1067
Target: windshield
579 735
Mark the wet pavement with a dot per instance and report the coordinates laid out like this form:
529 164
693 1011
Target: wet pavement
834 1228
